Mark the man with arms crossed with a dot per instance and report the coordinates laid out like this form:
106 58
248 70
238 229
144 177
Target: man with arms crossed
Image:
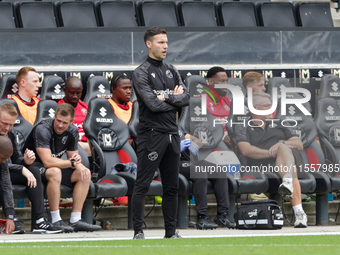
159 91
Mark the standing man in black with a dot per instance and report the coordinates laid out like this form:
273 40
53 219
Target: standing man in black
160 91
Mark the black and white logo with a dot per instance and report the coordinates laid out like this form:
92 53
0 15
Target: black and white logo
185 164
330 110
57 89
153 155
101 88
197 110
169 74
102 112
64 139
253 213
51 113
107 140
291 110
42 170
334 86
15 88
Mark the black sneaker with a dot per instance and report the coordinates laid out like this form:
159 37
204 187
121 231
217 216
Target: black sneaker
140 235
176 235
223 221
205 223
62 225
18 227
46 227
82 225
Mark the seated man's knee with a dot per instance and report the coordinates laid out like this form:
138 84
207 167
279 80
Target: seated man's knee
54 174
77 176
285 150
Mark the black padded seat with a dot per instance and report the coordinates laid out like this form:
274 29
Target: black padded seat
158 13
117 14
276 14
237 14
6 15
85 14
36 15
45 110
311 14
8 86
97 86
198 14
52 88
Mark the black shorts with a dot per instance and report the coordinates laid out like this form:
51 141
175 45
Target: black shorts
66 174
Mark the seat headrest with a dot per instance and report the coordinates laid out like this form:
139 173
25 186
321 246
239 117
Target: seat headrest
52 88
301 125
203 126
46 110
8 86
277 82
237 82
102 125
330 87
327 120
194 85
22 126
97 86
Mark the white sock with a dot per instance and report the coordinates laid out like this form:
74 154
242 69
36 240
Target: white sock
75 216
288 177
297 208
40 220
55 216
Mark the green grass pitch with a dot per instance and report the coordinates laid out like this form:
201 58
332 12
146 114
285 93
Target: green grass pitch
287 245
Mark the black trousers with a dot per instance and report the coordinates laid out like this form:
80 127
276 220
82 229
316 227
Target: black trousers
220 186
35 195
157 150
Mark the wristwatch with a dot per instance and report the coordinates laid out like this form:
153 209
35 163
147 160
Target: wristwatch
72 162
11 217
282 141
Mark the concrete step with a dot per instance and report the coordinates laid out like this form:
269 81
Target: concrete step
115 217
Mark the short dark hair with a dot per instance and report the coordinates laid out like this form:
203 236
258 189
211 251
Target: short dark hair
151 32
65 110
115 80
214 70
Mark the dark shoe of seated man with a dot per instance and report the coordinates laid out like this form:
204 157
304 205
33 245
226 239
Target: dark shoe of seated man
82 225
66 228
18 227
203 222
46 227
223 221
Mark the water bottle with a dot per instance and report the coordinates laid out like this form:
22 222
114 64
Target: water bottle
20 203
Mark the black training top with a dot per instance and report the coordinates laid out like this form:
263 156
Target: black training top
152 78
262 138
16 161
6 193
44 136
